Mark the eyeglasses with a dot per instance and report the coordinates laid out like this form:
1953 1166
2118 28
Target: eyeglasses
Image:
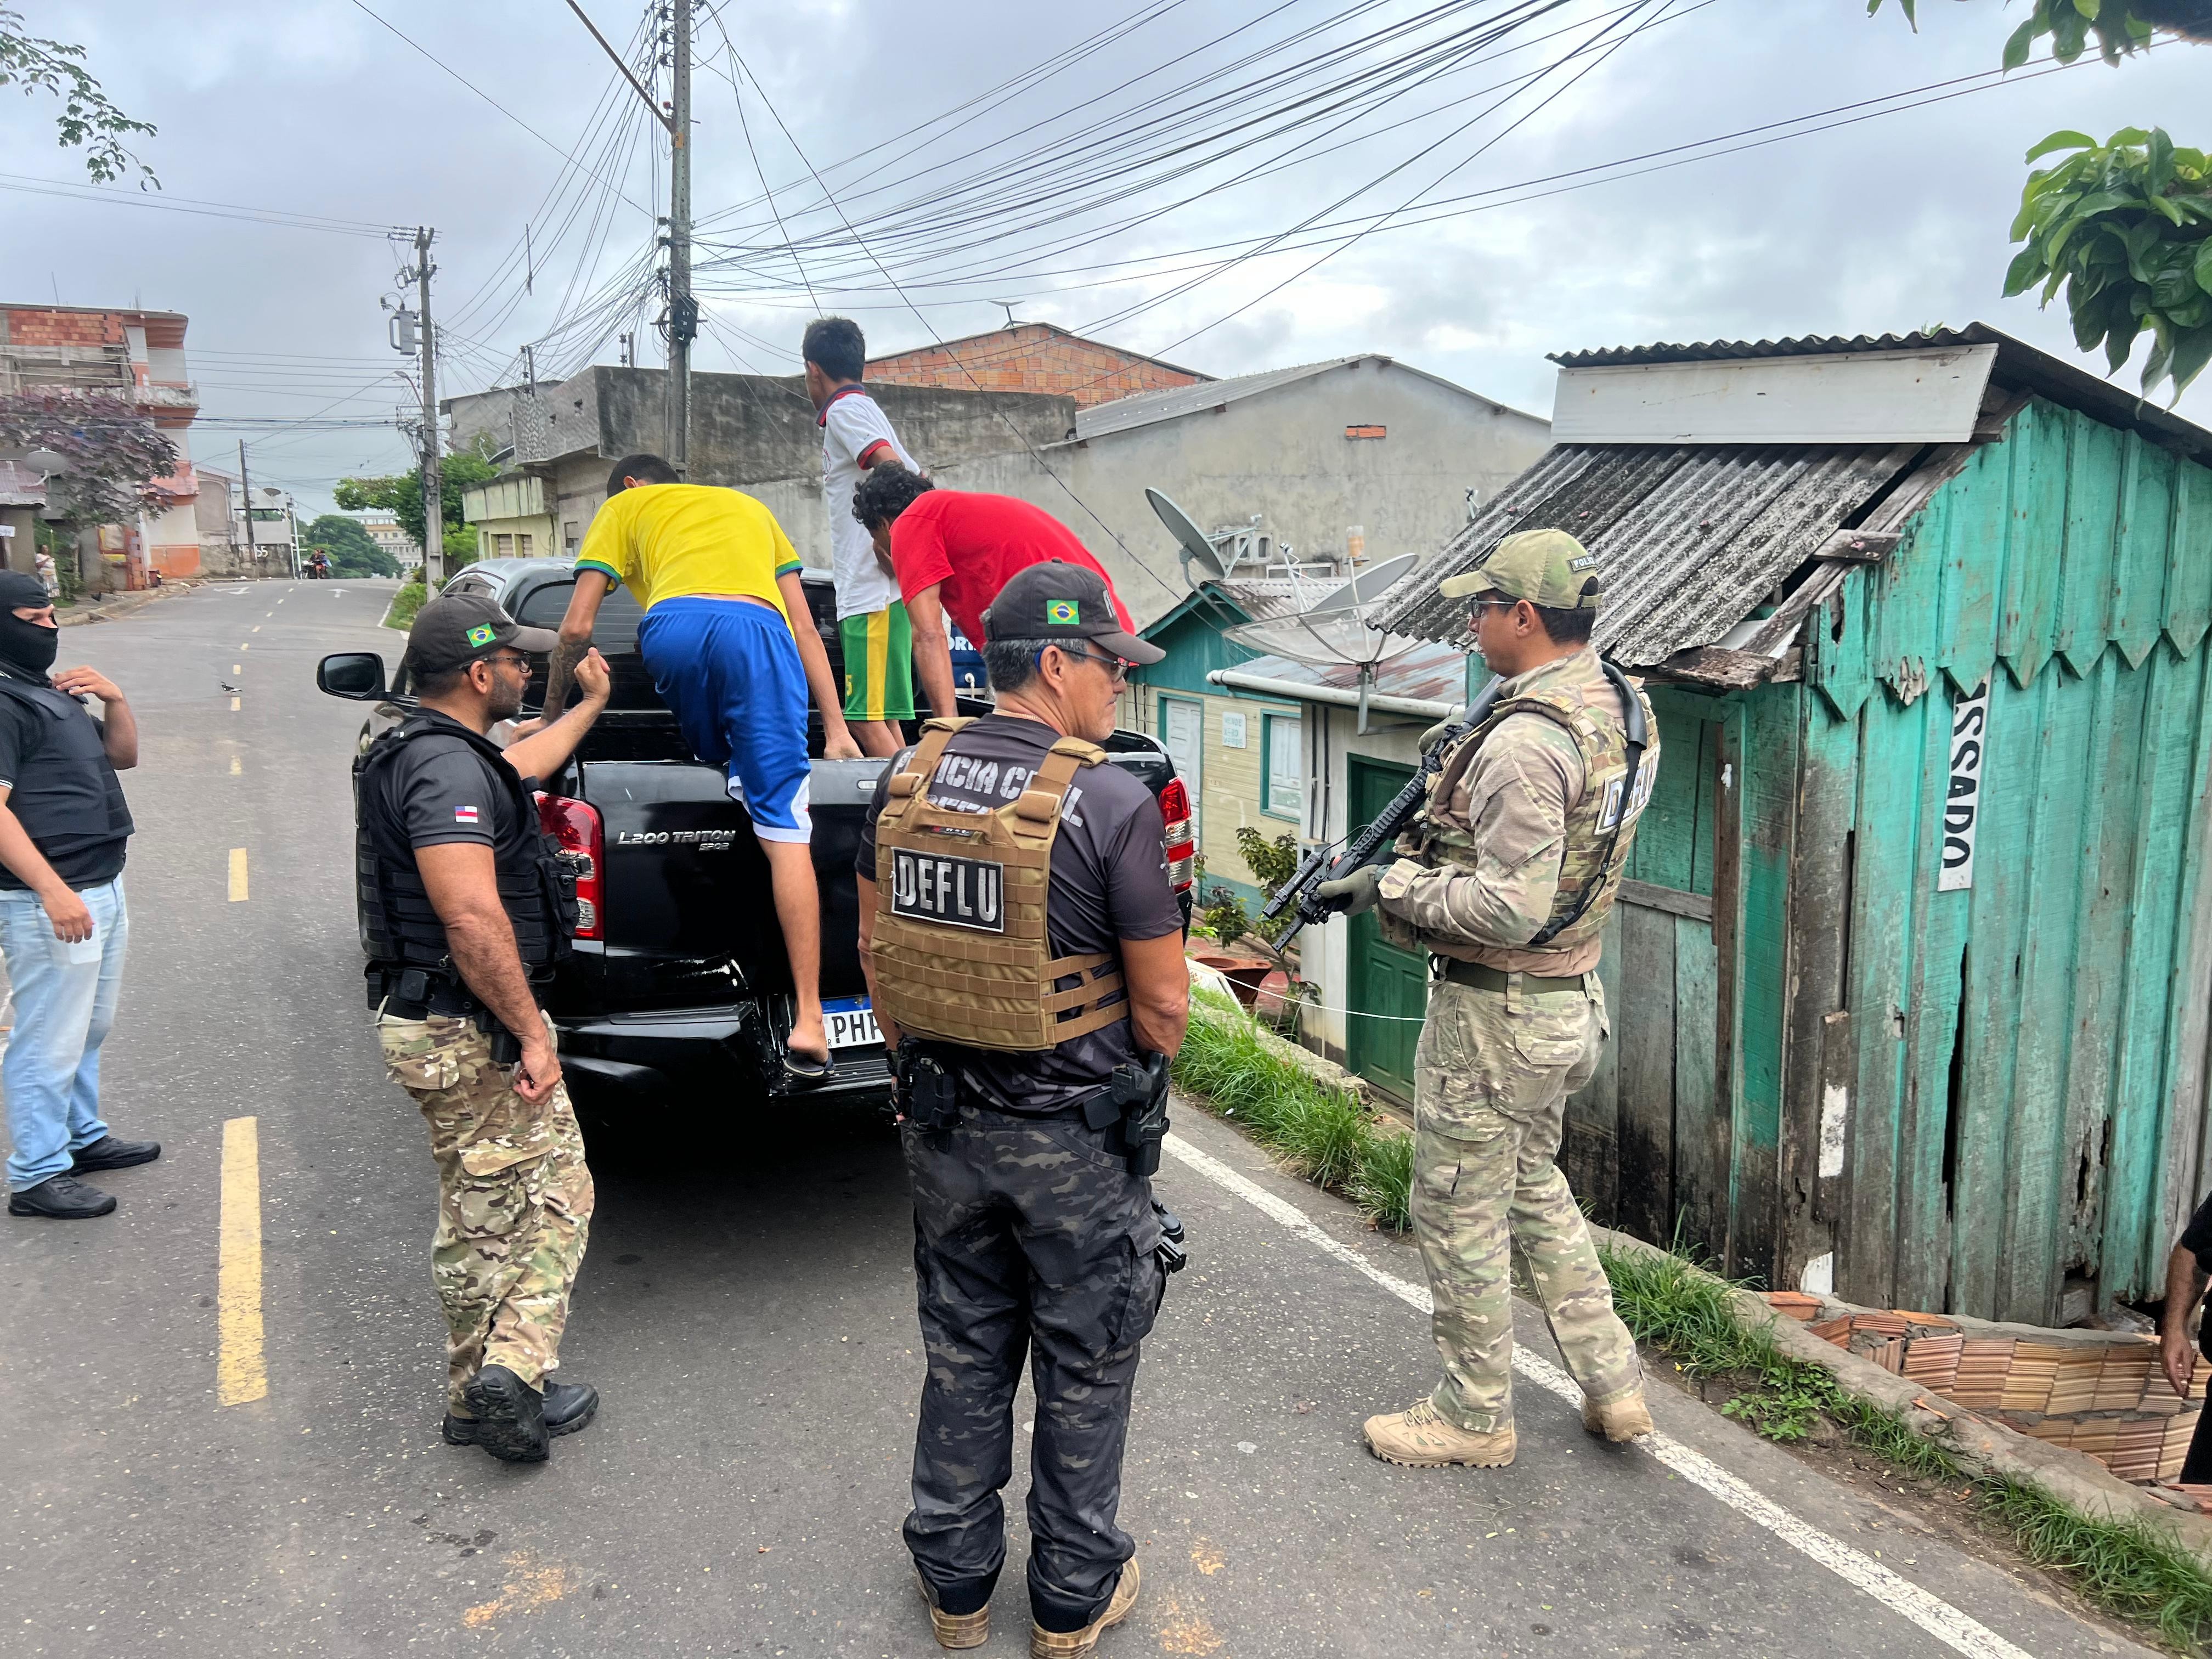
1118 667
510 659
1481 606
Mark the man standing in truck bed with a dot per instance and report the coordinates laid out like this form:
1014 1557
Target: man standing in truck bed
732 649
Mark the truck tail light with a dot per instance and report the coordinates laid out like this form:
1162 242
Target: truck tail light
576 827
1175 808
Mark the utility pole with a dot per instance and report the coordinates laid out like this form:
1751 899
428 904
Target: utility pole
682 309
433 513
246 509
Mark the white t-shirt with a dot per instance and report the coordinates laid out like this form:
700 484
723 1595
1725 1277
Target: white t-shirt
852 426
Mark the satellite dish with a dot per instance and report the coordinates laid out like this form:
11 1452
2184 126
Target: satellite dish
1198 551
1335 630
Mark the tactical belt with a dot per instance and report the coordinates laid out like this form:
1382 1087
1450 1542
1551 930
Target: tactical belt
1484 977
443 999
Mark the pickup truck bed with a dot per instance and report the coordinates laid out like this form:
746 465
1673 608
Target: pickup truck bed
679 993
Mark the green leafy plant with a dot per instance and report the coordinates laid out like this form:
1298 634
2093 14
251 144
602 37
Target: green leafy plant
400 493
87 121
1222 915
2126 228
2119 27
405 603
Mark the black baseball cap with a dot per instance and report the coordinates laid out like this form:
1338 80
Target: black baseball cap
1057 600
453 630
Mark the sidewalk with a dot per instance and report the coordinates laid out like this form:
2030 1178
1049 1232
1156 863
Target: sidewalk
106 606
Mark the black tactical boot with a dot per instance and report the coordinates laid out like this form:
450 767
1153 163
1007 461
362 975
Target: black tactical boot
109 1153
510 1415
568 1407
61 1198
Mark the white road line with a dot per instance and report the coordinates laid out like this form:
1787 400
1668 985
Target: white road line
1900 1595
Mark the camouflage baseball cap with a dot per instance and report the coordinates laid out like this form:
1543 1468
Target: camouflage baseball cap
1547 568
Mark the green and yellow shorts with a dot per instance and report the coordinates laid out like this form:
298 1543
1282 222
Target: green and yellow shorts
879 665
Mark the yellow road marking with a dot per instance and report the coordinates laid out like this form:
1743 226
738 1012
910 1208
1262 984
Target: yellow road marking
245 646
237 874
257 626
237 668
240 1372
234 705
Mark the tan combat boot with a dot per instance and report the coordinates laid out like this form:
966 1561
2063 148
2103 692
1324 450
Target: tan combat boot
1072 1644
1624 1418
1418 1438
954 1630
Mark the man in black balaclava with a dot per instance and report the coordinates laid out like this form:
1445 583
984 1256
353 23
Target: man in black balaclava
63 827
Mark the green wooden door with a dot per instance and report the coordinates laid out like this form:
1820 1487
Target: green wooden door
1381 980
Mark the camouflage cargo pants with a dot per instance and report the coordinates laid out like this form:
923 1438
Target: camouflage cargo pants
1491 1078
1030 1240
514 1200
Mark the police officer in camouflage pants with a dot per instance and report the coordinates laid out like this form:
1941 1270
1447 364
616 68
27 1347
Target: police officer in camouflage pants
1022 938
1507 879
464 906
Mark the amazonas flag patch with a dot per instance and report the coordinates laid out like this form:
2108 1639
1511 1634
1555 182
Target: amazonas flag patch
465 815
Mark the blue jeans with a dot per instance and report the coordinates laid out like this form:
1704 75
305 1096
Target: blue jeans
65 997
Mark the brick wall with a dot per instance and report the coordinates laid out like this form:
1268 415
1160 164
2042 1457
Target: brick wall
29 326
1032 357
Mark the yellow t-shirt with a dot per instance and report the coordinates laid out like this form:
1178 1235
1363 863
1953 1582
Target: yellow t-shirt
670 540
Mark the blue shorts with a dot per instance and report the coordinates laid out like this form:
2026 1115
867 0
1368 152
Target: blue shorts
729 671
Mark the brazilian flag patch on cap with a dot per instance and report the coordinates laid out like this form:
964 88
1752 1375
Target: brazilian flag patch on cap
482 634
1063 613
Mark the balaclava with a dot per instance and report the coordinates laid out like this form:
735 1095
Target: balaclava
26 645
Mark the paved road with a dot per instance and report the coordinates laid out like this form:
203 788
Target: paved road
747 1310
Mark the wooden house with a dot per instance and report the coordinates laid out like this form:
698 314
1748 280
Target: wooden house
1909 990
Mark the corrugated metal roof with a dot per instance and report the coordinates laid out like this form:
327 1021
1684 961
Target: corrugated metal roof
1428 673
2019 365
1263 601
1147 407
21 485
1693 537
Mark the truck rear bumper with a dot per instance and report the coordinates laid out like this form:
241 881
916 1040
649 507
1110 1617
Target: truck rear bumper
719 1057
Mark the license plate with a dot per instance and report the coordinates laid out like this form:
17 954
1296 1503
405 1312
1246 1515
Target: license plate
851 1022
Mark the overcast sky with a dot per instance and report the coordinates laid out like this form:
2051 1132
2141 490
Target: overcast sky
312 108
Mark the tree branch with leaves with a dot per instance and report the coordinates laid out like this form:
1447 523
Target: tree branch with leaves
87 121
2124 227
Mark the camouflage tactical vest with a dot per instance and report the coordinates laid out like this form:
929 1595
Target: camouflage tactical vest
960 946
1591 716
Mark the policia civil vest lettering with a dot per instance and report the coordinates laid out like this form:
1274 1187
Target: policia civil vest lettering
1601 826
961 950
65 793
400 929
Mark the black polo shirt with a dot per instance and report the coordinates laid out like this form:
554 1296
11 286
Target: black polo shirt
1109 882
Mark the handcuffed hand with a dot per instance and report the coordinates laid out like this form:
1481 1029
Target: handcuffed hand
1354 894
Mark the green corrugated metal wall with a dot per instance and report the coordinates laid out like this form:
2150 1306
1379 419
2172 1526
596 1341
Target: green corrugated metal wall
2013 1051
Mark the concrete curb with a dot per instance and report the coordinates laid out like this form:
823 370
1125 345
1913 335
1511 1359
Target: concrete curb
2078 1481
122 604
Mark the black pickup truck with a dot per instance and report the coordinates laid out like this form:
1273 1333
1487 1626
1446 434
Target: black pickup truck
679 993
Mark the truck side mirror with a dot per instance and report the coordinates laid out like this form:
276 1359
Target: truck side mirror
357 676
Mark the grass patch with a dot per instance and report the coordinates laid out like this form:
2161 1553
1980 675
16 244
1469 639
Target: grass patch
2127 1567
1323 1133
405 603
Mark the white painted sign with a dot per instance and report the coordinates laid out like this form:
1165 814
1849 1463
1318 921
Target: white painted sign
1962 800
1232 729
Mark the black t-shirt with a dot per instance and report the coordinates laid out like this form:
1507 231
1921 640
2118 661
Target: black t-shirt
90 850
438 790
2196 1239
1109 882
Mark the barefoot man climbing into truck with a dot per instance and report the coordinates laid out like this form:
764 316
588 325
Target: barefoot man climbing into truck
733 652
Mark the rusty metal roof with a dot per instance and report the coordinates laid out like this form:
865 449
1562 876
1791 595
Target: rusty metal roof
1693 537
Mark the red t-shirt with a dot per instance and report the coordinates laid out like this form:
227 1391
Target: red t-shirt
974 544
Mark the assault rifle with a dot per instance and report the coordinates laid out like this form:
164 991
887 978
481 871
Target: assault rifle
1371 845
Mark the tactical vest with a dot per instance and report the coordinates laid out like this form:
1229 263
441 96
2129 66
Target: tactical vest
400 927
65 794
1593 859
960 946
